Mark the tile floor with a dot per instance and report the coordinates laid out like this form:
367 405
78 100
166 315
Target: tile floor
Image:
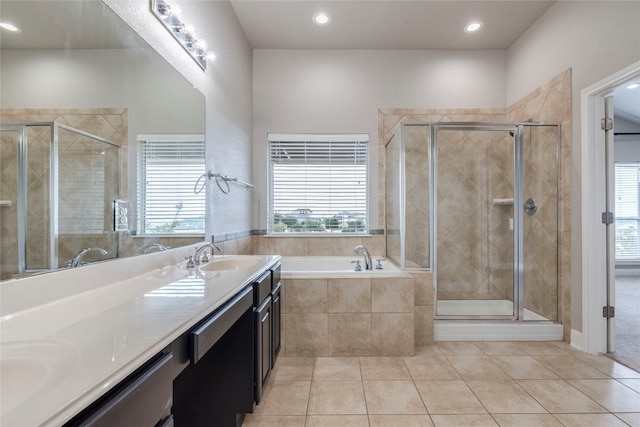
453 384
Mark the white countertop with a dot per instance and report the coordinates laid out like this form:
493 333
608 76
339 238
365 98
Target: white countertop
81 344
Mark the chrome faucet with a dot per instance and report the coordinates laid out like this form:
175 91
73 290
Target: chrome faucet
77 260
367 257
205 258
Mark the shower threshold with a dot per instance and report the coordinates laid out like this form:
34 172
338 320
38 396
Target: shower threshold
533 328
482 308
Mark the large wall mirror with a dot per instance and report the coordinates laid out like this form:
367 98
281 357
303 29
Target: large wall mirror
79 90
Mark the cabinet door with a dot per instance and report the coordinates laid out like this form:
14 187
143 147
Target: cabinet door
263 346
275 325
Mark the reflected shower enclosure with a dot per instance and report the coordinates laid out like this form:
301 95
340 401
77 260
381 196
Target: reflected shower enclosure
57 187
478 205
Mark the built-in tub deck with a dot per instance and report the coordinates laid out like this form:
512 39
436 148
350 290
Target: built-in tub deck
331 310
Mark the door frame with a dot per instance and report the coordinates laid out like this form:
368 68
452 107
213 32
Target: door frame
593 337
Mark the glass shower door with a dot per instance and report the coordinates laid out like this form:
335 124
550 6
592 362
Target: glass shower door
474 182
540 179
9 154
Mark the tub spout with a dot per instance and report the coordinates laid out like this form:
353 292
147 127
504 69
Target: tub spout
78 259
367 257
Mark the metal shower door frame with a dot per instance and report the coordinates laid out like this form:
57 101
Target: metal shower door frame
518 211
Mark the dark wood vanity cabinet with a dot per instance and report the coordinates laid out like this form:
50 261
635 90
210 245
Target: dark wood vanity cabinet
142 399
211 375
263 327
217 387
276 312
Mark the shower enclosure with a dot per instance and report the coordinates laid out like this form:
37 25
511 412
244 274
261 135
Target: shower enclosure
478 205
57 188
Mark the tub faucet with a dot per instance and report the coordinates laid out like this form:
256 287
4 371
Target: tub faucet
77 260
367 257
205 258
151 247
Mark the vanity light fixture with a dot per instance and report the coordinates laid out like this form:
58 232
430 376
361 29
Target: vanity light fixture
473 27
185 34
10 27
321 18
633 86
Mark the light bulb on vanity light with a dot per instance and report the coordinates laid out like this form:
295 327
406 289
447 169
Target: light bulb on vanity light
10 27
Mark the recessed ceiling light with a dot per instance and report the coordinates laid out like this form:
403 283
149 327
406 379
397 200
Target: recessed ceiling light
473 27
321 18
10 27
633 86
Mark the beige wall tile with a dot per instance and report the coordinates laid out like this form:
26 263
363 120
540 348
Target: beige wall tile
318 246
349 334
288 246
391 295
307 335
424 325
349 296
392 334
423 288
304 296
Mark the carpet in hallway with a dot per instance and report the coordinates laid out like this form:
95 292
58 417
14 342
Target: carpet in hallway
627 317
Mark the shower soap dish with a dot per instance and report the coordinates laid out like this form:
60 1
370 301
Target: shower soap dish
502 202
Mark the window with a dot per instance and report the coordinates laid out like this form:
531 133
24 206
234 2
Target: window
627 211
317 183
168 169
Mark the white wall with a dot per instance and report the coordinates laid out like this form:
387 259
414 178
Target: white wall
329 91
595 39
227 87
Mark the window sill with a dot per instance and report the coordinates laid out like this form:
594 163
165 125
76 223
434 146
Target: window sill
316 235
165 236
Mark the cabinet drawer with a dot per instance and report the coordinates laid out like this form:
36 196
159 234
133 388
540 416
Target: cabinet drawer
207 334
143 400
276 273
262 288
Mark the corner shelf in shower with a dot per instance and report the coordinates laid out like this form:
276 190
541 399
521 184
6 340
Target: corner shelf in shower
502 202
5 203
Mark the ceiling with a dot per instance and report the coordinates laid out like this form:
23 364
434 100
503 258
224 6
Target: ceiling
385 24
41 21
399 24
278 24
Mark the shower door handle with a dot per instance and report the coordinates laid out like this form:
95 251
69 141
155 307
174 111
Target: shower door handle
531 206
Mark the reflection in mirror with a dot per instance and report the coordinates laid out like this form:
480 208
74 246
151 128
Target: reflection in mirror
76 67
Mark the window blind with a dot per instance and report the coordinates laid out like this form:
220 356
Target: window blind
318 183
627 211
167 173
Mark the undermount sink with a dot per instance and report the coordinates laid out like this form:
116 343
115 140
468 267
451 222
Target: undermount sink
32 368
232 263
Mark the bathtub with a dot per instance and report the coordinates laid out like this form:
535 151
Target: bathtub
295 267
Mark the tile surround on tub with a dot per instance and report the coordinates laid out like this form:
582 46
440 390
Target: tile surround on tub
348 317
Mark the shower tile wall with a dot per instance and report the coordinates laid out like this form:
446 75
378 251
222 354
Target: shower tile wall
110 124
549 103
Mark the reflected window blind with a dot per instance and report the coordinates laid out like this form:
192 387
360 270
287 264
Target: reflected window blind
167 173
627 211
317 183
